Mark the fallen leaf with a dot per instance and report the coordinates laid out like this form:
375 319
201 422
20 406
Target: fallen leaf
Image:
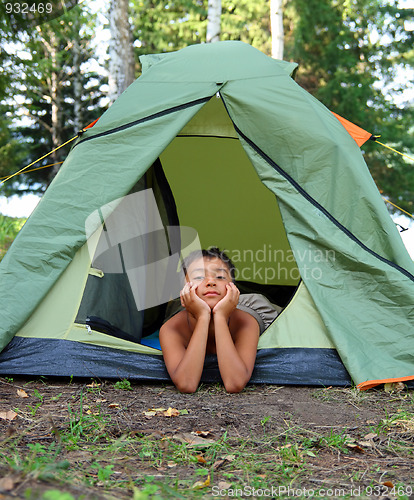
372 422
201 484
7 483
149 414
201 459
218 463
171 464
289 445
368 444
22 394
192 440
394 387
113 405
388 484
8 415
355 447
171 412
229 458
93 384
202 433
223 485
371 435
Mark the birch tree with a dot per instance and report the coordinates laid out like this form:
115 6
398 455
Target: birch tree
77 79
121 50
276 27
213 21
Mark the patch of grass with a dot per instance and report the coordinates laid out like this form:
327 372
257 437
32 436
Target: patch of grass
39 461
85 423
123 385
79 445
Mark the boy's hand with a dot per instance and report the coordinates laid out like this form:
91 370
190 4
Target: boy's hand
192 302
228 303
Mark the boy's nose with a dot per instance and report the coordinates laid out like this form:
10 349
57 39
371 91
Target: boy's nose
210 281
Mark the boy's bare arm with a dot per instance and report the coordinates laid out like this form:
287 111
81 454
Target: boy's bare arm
236 354
236 358
185 362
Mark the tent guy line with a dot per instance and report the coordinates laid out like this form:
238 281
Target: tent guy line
39 159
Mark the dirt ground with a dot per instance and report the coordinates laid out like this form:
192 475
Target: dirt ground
264 412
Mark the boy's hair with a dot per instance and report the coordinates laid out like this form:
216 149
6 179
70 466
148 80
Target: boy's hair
210 253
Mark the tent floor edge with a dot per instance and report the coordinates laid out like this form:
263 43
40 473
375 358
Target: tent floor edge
65 358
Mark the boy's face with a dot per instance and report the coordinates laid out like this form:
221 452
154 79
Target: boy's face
211 277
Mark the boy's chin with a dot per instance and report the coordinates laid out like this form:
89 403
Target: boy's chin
211 302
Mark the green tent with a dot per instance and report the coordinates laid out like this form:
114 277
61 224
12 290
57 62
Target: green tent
214 145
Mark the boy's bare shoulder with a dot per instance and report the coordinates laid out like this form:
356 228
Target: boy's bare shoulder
241 318
178 322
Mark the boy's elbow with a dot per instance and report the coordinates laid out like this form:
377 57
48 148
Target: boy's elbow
186 387
234 387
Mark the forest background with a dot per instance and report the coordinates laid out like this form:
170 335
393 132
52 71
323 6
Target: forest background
355 56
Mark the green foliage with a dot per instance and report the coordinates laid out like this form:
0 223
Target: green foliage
44 81
40 461
84 425
123 385
57 495
248 21
165 26
9 228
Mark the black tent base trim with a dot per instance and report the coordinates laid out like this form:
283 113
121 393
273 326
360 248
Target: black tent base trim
52 357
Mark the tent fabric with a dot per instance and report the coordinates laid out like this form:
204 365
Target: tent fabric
360 135
320 202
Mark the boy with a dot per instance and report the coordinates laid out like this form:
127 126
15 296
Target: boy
209 324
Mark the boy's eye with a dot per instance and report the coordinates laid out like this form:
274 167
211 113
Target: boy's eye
221 277
199 278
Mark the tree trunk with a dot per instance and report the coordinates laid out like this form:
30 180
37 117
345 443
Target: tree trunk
276 27
121 51
213 21
55 95
77 80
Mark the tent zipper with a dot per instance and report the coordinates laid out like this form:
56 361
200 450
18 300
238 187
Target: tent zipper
146 119
316 204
